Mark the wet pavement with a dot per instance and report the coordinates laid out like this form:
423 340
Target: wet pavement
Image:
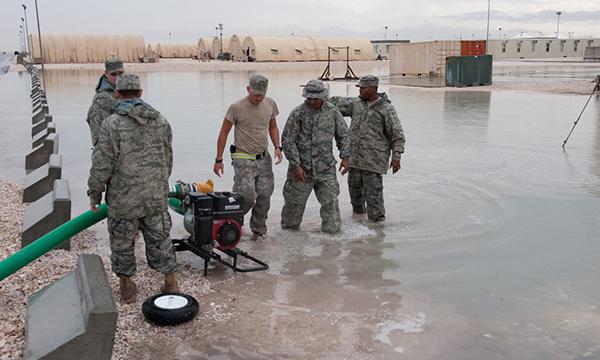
490 249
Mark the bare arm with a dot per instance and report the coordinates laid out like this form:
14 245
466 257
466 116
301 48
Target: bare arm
221 141
274 134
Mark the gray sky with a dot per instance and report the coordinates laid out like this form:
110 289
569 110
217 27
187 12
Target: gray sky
409 19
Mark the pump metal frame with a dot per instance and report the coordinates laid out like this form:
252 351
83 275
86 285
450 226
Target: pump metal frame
188 245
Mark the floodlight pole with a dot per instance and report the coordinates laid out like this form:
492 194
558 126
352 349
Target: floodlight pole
487 32
26 30
221 36
558 14
37 15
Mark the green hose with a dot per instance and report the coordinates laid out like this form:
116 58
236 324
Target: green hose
176 205
64 232
50 240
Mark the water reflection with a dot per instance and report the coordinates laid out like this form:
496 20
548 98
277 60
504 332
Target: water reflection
467 107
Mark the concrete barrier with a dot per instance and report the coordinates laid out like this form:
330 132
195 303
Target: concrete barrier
39 138
41 181
39 114
38 102
41 125
41 154
47 213
73 318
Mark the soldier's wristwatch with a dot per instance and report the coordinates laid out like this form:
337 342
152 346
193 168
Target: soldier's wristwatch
218 161
279 148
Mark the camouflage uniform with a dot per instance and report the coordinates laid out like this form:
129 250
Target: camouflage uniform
375 131
104 102
132 162
255 181
307 142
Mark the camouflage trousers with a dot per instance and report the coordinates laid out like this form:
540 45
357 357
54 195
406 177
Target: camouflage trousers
295 195
159 249
254 180
366 187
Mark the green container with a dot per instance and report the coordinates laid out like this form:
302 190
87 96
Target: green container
469 70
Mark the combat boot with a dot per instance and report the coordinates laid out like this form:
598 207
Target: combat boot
170 285
128 289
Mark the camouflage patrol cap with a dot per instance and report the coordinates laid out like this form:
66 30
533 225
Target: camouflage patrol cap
368 80
258 84
128 82
315 89
113 64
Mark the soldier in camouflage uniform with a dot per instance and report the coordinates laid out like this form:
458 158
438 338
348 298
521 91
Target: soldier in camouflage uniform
104 102
375 131
254 119
307 144
132 162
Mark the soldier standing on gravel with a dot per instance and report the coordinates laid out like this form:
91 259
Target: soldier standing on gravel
375 131
307 144
104 102
254 120
132 162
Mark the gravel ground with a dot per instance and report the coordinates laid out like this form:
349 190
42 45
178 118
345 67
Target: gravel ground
15 290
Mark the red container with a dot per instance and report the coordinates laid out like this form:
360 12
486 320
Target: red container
472 47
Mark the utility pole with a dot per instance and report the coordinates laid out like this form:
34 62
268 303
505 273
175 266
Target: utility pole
499 33
385 33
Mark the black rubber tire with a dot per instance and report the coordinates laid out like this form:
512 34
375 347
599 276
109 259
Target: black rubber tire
170 316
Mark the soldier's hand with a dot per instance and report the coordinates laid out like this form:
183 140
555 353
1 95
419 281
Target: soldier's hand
278 156
93 205
344 165
218 169
299 173
395 166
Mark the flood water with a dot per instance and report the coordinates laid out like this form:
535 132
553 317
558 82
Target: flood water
490 249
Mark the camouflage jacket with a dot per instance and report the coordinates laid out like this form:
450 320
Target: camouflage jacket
374 131
103 105
132 161
307 140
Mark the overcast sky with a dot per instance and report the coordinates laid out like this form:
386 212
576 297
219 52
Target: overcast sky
407 19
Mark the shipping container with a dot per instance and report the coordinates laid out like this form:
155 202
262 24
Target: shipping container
422 59
469 70
472 47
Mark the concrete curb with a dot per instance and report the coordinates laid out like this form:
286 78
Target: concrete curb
73 318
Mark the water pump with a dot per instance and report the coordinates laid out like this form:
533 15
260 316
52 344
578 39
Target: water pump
214 221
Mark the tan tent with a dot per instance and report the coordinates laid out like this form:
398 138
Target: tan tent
235 44
358 48
150 53
205 47
176 50
216 46
87 48
297 48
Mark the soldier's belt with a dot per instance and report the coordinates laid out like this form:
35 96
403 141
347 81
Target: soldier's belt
236 154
